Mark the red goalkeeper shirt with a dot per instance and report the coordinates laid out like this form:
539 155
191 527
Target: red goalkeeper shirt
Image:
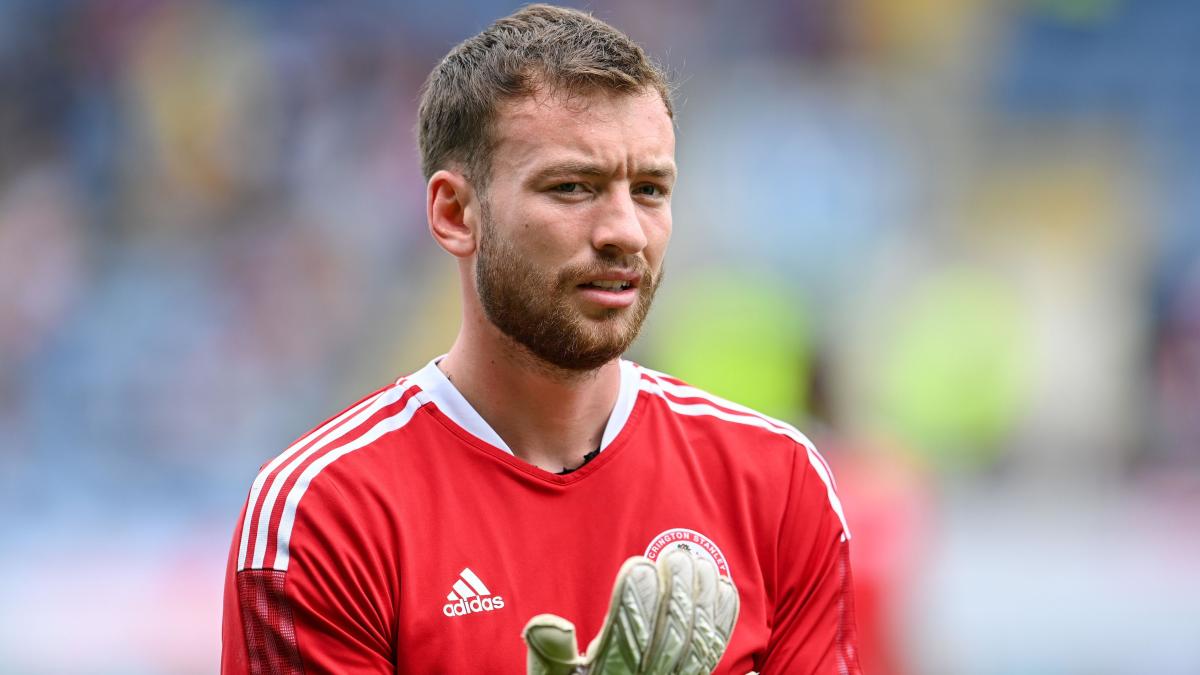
403 535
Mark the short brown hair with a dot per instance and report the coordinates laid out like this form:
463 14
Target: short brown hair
539 46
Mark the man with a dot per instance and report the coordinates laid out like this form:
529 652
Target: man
421 529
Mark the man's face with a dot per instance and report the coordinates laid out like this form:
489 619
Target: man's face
576 220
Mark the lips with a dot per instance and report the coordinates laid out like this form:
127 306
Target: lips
614 289
608 284
612 280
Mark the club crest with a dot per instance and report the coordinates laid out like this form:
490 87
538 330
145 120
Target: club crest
693 542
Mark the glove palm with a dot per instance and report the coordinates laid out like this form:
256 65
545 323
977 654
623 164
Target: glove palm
673 617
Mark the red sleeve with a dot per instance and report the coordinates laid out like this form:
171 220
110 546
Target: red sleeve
331 610
813 625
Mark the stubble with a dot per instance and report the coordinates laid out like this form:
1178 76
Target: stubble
535 308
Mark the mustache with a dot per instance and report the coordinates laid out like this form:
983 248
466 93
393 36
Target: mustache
573 275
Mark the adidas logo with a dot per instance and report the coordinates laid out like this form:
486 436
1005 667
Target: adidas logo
470 595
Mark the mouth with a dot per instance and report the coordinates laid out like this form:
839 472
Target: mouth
613 280
608 284
613 290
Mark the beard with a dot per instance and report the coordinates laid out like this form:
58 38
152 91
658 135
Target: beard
534 306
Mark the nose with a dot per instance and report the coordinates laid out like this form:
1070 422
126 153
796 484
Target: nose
619 229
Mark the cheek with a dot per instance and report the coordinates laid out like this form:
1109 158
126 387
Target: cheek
543 249
533 229
658 236
549 244
555 234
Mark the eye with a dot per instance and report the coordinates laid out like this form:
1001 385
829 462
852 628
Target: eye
567 188
649 189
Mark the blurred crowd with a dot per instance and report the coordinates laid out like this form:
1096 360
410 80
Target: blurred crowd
956 241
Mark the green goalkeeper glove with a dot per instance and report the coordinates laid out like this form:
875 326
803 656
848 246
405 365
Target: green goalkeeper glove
670 618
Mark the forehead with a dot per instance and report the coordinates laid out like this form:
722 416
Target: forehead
631 130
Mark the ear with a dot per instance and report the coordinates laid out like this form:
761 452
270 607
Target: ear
453 212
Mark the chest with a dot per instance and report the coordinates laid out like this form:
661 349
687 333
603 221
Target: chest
484 550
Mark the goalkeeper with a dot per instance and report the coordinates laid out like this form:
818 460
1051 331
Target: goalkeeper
531 488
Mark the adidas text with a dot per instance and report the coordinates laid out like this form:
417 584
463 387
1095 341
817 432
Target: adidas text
463 607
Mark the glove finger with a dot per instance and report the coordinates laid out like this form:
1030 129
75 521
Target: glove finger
621 646
673 628
551 646
704 648
727 608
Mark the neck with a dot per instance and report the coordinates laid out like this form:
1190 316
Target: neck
549 416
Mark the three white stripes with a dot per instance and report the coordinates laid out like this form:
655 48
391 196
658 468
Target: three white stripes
392 423
685 391
467 586
328 433
660 387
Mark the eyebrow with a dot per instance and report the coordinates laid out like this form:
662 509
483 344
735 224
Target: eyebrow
659 171
582 168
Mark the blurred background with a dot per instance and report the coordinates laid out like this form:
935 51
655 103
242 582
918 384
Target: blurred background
955 241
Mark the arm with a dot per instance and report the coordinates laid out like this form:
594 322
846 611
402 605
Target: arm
813 624
327 609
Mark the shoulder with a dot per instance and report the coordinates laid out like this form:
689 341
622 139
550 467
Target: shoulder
355 428
273 504
751 436
696 407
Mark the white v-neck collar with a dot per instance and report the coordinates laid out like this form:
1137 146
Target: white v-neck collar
436 388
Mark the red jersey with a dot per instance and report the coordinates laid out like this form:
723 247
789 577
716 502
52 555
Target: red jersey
404 536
